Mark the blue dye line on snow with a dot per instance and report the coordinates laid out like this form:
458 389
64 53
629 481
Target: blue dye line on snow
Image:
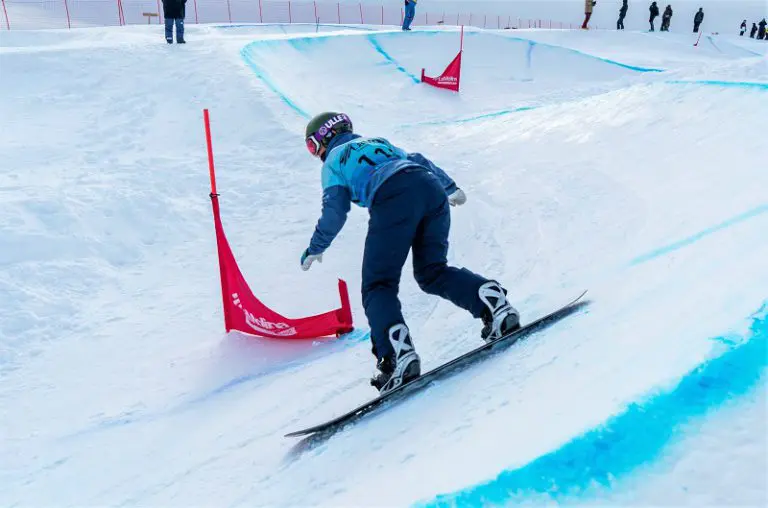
755 212
635 68
504 112
388 58
726 84
636 436
475 118
245 53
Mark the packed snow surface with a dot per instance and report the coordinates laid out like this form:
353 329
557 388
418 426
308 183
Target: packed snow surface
629 164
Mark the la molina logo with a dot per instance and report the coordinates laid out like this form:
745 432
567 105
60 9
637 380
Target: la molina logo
262 325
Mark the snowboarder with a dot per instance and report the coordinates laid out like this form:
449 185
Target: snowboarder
173 12
743 28
408 198
588 6
410 13
753 31
654 14
666 18
697 19
622 15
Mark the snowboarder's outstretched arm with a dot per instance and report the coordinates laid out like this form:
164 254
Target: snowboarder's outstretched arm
336 205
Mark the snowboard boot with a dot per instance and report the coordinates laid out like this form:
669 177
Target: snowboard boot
499 317
401 366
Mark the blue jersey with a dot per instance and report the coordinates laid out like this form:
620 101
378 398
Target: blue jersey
354 169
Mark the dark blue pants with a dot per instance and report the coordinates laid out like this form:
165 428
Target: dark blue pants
410 211
410 13
169 29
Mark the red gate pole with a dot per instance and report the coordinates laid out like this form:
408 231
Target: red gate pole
120 20
261 14
215 205
7 22
66 7
197 22
461 43
695 45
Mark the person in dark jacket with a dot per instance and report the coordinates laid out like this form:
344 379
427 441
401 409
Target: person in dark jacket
622 15
697 19
666 18
761 29
753 31
743 28
173 12
654 14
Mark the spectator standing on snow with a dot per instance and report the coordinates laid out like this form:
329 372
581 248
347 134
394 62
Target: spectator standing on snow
761 29
743 28
410 13
622 15
697 19
173 11
588 6
666 18
654 14
753 31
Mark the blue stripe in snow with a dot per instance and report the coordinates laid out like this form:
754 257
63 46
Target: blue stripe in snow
249 60
632 438
728 84
377 46
635 68
484 116
755 212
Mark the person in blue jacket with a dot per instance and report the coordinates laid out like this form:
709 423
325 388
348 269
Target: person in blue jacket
408 199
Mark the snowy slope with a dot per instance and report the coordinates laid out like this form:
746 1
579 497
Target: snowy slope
118 386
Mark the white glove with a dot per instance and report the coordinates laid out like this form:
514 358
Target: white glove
308 259
457 198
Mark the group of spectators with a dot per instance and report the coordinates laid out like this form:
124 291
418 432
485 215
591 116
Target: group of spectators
759 30
666 18
173 11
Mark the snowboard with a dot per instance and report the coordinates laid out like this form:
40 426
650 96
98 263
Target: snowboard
425 379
